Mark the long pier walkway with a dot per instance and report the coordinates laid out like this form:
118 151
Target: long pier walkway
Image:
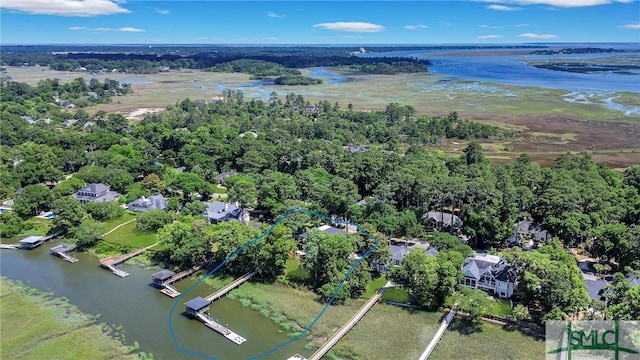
111 262
237 282
349 324
436 338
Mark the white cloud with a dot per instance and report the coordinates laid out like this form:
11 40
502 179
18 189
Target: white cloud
351 26
415 27
129 29
537 36
275 15
503 8
487 37
522 25
563 3
103 29
65 7
631 26
162 11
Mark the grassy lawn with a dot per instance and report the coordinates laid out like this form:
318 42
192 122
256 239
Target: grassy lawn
129 235
39 226
294 270
396 295
109 225
491 343
500 308
373 286
36 326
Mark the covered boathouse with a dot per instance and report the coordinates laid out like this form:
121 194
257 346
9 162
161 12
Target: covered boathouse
31 242
197 305
161 276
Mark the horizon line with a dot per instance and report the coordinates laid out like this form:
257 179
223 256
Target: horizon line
322 44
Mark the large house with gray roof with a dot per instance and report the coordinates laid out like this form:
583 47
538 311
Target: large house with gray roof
528 230
398 252
218 212
443 220
144 204
95 193
490 273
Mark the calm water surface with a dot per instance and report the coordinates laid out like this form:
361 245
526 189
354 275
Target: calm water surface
504 67
143 311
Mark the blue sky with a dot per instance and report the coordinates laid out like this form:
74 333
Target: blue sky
318 22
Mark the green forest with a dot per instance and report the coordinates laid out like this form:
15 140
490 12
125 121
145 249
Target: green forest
299 159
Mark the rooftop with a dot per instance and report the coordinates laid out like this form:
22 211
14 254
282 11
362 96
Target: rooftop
162 275
31 239
197 303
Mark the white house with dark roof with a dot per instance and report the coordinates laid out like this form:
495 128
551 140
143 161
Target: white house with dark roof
327 229
442 220
490 273
528 230
95 193
143 203
357 148
398 252
220 178
218 212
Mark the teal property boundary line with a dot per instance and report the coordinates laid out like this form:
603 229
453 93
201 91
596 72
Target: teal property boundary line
235 253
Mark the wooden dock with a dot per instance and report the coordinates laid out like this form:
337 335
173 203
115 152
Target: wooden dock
171 291
237 282
348 325
436 338
111 262
9 246
61 251
225 331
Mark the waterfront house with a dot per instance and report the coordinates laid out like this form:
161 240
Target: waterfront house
143 204
528 230
327 229
490 273
95 193
398 252
223 176
218 212
442 221
357 148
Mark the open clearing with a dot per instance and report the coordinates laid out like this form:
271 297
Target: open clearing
551 121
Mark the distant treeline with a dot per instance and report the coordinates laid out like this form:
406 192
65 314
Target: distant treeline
152 59
588 50
218 60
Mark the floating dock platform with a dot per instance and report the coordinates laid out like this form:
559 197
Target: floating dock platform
199 309
61 251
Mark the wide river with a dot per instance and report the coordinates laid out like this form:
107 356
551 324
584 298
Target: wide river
144 312
512 66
